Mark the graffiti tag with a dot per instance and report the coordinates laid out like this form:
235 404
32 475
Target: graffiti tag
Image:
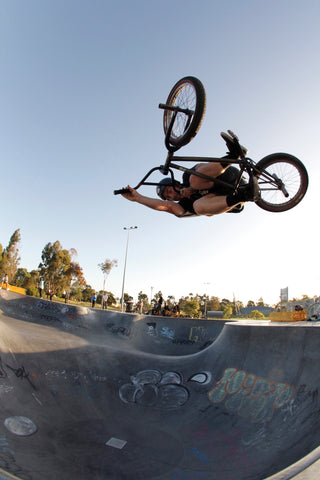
250 396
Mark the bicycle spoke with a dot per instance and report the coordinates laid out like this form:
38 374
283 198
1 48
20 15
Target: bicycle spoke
183 112
290 177
185 98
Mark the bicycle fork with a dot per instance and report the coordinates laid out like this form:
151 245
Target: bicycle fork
273 180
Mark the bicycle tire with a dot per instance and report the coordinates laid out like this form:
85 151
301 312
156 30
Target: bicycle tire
188 93
291 171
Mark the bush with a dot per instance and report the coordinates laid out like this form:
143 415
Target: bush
32 291
257 315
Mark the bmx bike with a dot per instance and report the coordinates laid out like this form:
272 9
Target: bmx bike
282 178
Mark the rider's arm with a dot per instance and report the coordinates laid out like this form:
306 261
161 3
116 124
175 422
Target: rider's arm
154 203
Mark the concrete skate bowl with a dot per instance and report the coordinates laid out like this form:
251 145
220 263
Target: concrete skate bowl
90 394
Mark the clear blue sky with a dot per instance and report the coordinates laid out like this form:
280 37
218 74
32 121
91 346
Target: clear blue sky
80 83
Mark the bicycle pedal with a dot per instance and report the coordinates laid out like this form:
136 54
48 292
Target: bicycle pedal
233 135
226 137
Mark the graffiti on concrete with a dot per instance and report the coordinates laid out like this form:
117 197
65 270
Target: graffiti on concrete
8 461
4 444
153 388
250 396
167 332
196 334
19 373
70 383
51 308
55 313
117 330
165 390
21 426
202 377
152 329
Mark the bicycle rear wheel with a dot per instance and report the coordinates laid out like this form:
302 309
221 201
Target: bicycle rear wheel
283 182
188 93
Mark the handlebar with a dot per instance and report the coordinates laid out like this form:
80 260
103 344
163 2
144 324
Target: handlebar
122 190
175 108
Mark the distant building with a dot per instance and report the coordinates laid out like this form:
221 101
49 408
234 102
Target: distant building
246 311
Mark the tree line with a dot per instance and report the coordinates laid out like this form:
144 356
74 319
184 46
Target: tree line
62 275
64 278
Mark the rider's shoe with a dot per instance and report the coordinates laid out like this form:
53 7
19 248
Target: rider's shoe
254 189
233 147
250 192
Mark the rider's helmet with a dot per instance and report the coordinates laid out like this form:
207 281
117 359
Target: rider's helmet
165 182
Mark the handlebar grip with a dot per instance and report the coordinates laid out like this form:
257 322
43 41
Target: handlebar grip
122 190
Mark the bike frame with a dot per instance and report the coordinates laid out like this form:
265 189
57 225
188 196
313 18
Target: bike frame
245 164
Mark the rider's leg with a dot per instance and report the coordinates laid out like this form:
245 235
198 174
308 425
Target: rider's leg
212 205
210 169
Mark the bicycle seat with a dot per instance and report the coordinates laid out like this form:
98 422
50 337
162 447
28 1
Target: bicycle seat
234 147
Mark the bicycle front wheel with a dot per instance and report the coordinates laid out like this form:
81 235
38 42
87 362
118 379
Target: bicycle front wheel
283 182
188 94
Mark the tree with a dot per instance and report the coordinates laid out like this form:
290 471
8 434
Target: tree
76 292
106 268
74 275
87 293
127 298
191 307
10 259
111 299
227 310
171 301
21 277
257 315
58 269
157 296
251 303
226 307
213 304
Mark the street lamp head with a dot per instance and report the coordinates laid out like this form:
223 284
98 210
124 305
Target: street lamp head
129 228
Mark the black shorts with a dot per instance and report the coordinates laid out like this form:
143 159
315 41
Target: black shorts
231 176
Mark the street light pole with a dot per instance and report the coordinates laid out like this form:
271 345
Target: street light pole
125 264
205 305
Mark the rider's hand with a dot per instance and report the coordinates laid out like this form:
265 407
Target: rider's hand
132 195
186 192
